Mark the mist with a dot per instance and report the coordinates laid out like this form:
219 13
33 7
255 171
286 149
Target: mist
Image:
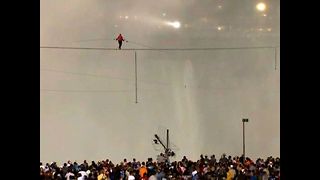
92 107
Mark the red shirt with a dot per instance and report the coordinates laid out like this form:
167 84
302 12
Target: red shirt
120 38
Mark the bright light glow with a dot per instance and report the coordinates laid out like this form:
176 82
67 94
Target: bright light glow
126 17
219 28
175 24
261 6
269 29
164 14
260 29
264 15
219 6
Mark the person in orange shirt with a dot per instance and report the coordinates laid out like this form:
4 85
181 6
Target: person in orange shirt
143 170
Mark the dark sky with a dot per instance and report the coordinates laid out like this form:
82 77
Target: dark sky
88 108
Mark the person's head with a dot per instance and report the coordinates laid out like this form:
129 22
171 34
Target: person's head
82 168
79 174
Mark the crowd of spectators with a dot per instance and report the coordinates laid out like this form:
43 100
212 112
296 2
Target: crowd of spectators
211 168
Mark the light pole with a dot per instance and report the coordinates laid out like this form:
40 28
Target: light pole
243 137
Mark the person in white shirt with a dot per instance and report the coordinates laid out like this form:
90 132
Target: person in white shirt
131 177
83 174
68 175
